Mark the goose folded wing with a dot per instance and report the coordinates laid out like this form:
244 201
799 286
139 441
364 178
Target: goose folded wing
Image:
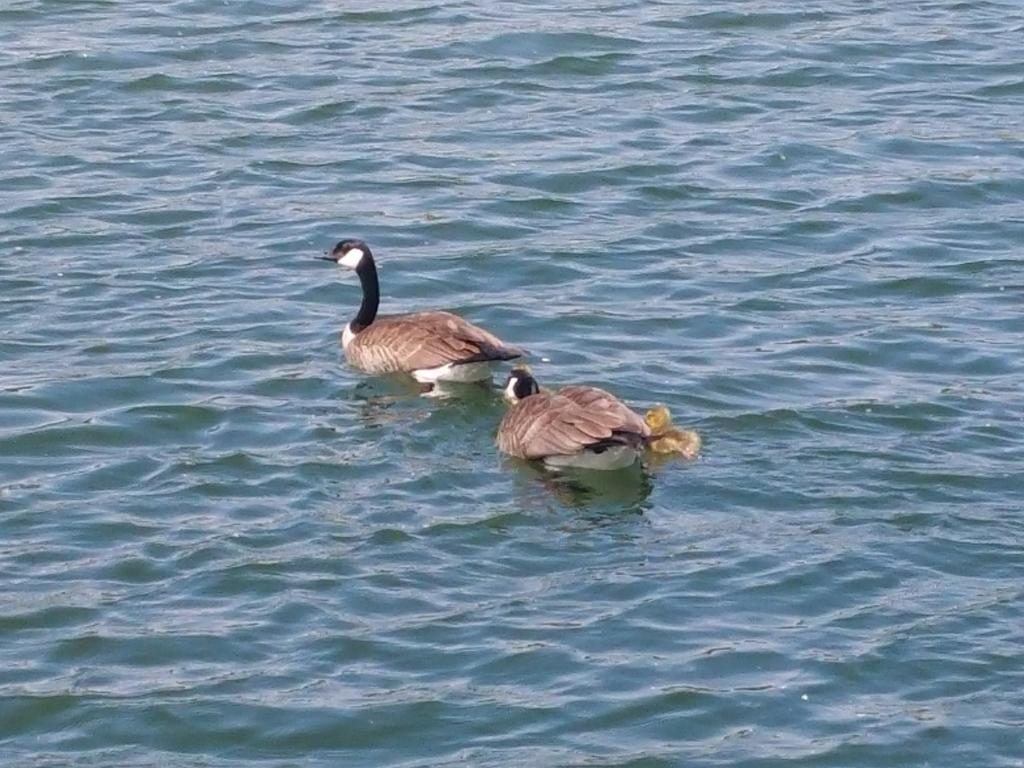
485 341
433 339
550 425
595 400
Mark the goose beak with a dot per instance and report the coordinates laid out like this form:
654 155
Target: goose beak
327 257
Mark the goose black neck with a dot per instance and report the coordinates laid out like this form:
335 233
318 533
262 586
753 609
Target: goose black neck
367 272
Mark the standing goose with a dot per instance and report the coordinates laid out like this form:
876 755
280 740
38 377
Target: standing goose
432 346
574 427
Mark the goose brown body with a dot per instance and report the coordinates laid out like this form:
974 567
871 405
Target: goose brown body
433 346
423 340
566 424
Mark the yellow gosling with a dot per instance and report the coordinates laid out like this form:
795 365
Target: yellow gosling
667 439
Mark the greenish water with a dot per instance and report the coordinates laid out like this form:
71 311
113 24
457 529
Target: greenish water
799 225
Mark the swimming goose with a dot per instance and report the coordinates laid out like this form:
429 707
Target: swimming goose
576 426
666 438
432 346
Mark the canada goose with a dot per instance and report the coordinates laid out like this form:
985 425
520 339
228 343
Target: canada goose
665 438
432 346
576 426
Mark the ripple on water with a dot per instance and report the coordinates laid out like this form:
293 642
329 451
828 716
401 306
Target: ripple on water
798 229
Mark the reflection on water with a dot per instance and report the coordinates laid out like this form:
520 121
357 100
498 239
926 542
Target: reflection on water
658 462
377 398
622 491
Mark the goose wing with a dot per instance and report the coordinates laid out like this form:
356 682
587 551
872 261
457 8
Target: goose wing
596 400
549 424
424 340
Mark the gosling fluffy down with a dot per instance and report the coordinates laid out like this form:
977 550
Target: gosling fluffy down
667 439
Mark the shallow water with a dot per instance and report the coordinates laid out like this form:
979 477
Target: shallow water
799 227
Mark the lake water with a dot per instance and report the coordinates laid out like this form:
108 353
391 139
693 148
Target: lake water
800 225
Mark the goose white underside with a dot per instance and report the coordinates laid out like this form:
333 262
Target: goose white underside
617 457
463 372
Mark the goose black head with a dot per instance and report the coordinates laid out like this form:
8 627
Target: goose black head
349 253
520 384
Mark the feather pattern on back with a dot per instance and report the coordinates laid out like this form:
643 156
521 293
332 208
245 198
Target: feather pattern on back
403 343
596 399
568 421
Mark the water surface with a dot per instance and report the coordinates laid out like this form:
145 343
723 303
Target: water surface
800 226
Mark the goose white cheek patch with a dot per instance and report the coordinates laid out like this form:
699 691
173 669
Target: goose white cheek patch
352 258
510 390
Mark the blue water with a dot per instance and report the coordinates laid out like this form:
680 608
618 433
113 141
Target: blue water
798 225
